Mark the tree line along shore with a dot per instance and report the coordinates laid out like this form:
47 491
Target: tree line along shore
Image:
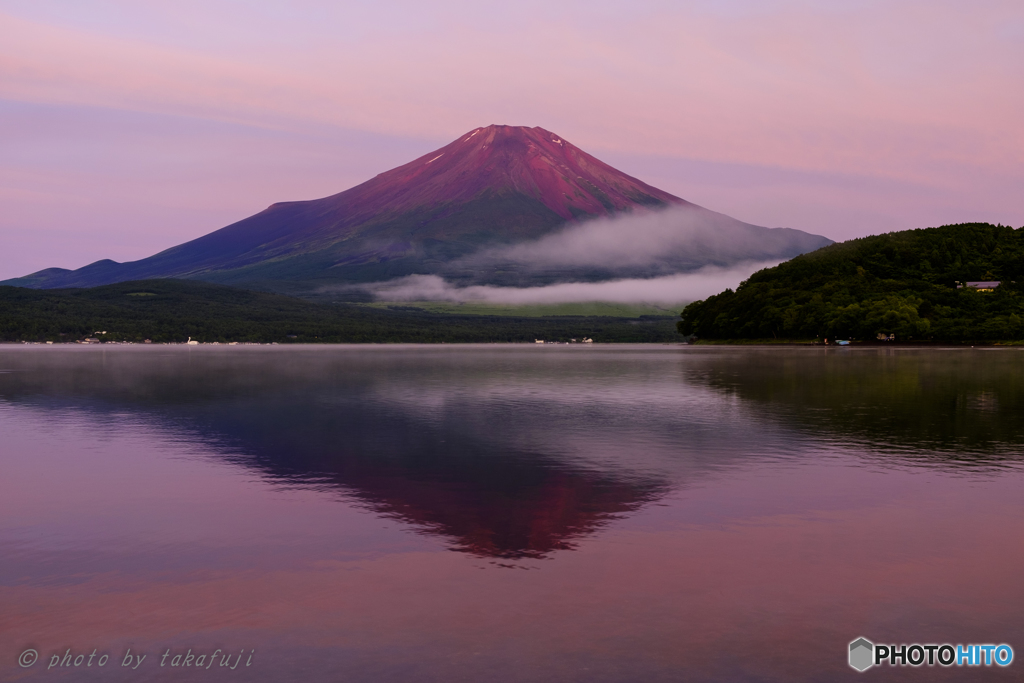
952 284
174 311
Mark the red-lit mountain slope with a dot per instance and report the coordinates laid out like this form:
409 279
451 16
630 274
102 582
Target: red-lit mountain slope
494 185
503 160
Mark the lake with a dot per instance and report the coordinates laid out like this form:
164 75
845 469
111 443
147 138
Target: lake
506 513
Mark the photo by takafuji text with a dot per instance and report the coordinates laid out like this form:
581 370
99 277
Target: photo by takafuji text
70 659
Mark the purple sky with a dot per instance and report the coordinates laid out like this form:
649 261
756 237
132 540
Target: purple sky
128 127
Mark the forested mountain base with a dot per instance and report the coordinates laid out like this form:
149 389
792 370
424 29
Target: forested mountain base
901 283
174 310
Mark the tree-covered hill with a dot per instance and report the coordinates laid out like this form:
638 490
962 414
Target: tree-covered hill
901 283
174 310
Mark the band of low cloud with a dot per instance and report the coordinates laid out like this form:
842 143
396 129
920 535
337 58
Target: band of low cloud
668 290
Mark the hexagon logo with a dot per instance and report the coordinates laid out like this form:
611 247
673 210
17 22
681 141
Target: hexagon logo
862 654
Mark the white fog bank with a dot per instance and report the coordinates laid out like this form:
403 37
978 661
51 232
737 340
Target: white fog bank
678 239
669 289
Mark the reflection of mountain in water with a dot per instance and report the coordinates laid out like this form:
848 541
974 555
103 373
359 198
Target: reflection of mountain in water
954 407
517 453
458 471
489 498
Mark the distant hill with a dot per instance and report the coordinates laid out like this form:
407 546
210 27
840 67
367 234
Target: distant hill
493 187
901 283
174 310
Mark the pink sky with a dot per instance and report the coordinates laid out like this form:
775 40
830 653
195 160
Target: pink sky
128 127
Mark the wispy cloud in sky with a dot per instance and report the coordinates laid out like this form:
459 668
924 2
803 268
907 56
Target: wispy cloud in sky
833 83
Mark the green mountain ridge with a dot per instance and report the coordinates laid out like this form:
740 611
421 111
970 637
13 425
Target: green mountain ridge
900 283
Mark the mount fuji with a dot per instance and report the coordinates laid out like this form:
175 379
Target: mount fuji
492 190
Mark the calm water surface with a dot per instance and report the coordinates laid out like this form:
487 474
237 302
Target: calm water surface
518 513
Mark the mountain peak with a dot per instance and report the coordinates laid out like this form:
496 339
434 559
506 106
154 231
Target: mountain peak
500 159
